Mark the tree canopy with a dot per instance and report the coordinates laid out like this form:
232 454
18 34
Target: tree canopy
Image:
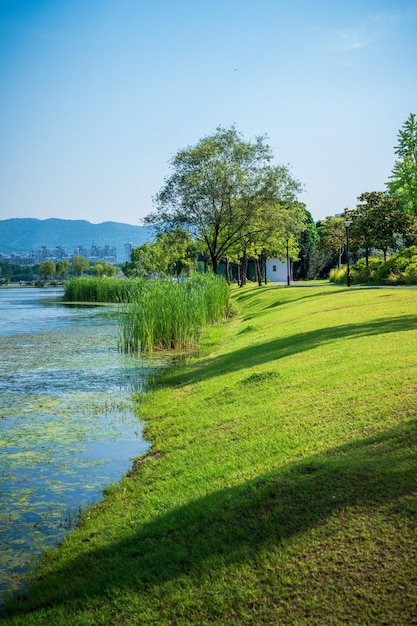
79 264
172 252
403 180
332 236
226 193
379 222
103 268
47 269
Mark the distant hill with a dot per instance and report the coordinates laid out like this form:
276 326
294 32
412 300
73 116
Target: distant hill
29 234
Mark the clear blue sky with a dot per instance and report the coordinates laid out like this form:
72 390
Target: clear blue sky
98 95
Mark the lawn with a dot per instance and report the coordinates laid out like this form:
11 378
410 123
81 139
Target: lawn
281 484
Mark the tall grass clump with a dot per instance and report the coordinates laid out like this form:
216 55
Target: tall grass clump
163 314
89 289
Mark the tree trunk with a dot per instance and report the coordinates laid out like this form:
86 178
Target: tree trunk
245 262
264 268
258 272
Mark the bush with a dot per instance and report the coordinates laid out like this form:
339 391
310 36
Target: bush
337 275
392 271
399 269
362 273
410 274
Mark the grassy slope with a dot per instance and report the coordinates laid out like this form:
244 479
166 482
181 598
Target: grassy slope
281 486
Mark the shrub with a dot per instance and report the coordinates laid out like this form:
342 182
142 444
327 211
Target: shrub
399 269
337 275
362 273
410 274
392 271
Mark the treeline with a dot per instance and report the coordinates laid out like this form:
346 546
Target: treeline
49 271
225 202
382 229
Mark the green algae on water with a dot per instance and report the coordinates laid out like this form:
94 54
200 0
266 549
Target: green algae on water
67 430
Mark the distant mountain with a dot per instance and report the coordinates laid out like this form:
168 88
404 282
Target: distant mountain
29 234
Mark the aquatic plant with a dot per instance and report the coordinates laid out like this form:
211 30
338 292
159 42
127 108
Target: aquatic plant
160 313
164 314
92 289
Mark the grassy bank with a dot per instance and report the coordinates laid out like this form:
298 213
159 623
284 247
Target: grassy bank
281 485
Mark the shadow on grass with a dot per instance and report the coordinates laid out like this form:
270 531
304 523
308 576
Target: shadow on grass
285 296
263 352
231 526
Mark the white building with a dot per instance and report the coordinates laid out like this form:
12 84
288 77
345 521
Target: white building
276 271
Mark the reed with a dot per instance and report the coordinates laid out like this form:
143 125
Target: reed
163 314
157 314
86 289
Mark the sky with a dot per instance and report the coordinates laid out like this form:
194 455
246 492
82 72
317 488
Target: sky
98 95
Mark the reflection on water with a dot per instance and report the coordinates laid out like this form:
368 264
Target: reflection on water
67 424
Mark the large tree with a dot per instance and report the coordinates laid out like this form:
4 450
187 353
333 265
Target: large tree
225 191
403 181
62 268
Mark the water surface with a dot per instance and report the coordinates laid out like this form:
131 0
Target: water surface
67 424
31 310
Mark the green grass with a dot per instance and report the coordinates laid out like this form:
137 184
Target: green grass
281 484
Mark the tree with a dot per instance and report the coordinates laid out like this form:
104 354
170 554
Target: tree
225 193
403 183
176 252
62 268
47 269
307 242
142 261
362 231
103 268
332 236
379 222
172 252
391 224
79 264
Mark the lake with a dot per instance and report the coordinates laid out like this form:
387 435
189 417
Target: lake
67 423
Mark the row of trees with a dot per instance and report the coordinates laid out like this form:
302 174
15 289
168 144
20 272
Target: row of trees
226 200
383 221
49 270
